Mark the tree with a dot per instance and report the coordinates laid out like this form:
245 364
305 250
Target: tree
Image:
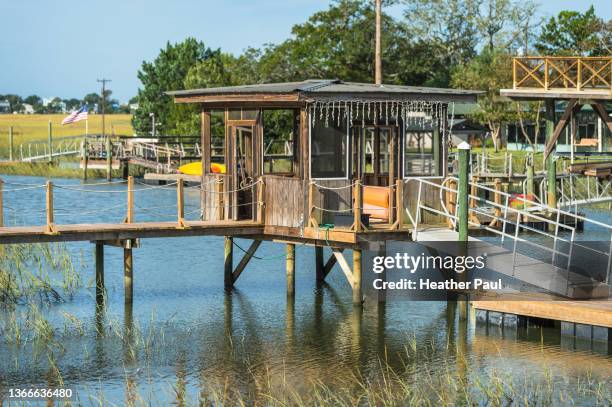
575 33
339 43
15 102
489 72
33 100
167 72
72 104
92 100
447 23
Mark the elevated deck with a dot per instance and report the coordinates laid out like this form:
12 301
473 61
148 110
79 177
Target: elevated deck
560 77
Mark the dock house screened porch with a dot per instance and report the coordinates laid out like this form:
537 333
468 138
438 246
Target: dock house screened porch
343 148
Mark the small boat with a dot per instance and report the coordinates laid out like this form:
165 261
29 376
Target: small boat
195 168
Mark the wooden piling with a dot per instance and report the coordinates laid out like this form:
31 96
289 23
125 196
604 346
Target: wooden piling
551 170
228 263
128 273
358 204
497 199
357 296
462 201
109 158
85 158
260 201
319 263
399 203
50 228
290 267
130 200
530 175
180 202
99 272
50 142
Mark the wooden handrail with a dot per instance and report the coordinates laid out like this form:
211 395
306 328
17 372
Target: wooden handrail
562 72
130 200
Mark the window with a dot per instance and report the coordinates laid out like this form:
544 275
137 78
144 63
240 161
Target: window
418 153
328 150
217 136
279 131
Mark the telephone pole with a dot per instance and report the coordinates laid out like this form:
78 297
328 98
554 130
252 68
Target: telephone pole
377 56
109 150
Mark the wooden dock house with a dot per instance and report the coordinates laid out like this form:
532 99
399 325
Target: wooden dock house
349 147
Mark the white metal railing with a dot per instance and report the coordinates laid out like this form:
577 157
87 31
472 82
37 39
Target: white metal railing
39 150
558 223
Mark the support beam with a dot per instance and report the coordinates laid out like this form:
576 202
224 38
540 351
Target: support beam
228 262
462 199
319 263
437 145
128 274
357 295
245 260
603 114
99 272
290 268
346 269
572 108
551 170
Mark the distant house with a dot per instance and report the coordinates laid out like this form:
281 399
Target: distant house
133 107
27 109
463 128
5 107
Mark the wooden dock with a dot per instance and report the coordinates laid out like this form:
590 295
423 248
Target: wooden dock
547 306
127 231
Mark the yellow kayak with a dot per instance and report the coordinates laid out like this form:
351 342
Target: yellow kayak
195 168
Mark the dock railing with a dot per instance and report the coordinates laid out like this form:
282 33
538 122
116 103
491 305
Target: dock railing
45 213
512 222
327 201
561 72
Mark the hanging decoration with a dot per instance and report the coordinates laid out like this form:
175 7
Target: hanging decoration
414 113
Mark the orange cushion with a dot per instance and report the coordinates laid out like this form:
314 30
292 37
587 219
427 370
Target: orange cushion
378 196
376 202
377 212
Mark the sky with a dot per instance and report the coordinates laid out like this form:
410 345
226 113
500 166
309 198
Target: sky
61 47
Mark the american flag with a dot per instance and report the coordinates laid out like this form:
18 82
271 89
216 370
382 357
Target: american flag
76 116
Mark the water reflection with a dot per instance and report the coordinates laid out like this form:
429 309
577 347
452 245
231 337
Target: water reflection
185 337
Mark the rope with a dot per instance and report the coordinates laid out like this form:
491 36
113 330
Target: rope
333 210
332 188
235 190
261 258
23 189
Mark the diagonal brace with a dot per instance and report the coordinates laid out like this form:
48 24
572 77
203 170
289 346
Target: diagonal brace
245 260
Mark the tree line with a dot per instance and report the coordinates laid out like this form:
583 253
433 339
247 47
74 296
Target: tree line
93 101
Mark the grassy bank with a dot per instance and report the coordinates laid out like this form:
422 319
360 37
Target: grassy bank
34 127
51 171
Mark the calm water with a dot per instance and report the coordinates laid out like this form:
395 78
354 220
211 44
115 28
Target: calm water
186 331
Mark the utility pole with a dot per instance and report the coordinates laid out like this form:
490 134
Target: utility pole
109 150
377 56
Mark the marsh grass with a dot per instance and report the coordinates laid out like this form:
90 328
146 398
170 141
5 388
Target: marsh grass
43 169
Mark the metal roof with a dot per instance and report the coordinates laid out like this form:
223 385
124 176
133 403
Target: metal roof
335 89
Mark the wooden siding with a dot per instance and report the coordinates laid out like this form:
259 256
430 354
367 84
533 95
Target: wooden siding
332 199
430 196
284 201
